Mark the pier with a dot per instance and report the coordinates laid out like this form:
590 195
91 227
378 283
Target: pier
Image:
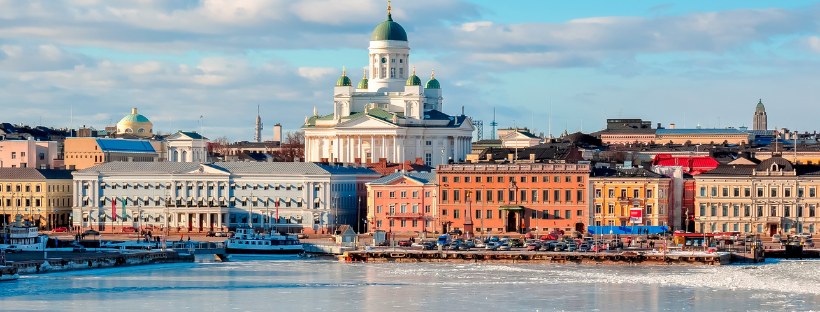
64 262
623 258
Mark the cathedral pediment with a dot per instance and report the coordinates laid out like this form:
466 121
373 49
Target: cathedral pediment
207 169
366 121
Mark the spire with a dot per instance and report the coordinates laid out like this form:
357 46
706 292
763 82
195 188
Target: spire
344 71
388 8
365 73
414 70
433 74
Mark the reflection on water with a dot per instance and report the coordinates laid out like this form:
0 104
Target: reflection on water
332 286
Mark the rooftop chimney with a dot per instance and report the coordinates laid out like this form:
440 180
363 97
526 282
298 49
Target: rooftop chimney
671 126
510 158
532 158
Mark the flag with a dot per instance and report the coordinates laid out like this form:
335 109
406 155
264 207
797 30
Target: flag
277 212
114 209
123 208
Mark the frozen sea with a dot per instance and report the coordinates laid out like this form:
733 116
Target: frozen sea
322 285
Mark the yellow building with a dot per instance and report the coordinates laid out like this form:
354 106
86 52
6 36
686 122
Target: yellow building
135 124
39 196
702 136
616 191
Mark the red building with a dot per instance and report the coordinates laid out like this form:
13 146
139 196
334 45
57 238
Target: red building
691 165
513 197
403 202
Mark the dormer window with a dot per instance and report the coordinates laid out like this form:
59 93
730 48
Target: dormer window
774 167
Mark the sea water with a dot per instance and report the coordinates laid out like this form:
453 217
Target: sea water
322 285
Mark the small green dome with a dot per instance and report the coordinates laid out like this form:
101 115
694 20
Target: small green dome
760 106
362 84
413 80
388 30
433 83
343 80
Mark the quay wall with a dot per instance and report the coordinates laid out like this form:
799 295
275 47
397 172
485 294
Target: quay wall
625 258
98 262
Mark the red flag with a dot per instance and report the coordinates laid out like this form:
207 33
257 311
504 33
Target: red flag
114 209
277 212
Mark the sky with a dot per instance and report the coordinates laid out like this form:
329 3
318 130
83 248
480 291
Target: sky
548 65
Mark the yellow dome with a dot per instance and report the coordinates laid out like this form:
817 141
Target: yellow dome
135 124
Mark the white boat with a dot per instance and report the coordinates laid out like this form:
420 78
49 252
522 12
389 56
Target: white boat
245 241
25 238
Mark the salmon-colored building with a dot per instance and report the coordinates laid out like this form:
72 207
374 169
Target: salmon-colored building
403 202
513 197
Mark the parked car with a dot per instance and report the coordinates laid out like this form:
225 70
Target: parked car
571 246
640 239
584 247
803 235
560 246
78 249
383 243
60 230
221 234
128 229
808 242
91 232
453 246
464 246
503 247
428 245
750 238
490 246
210 234
515 242
534 246
13 249
494 239
653 236
405 243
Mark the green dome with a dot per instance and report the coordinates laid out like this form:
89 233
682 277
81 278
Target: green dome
389 30
343 80
134 118
433 83
413 80
362 84
760 106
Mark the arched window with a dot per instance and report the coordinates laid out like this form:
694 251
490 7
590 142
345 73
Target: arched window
176 156
128 130
774 167
141 130
184 156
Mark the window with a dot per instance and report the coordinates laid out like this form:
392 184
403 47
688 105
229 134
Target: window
428 158
545 179
456 179
812 192
545 195
556 213
747 192
579 179
611 209
736 192
510 195
426 208
534 179
786 211
456 214
403 194
523 195
703 191
556 179
747 211
759 211
466 179
392 194
567 214
801 192
478 214
725 192
759 192
499 179
415 194
702 210
523 179
725 210
787 192
812 210
579 196
545 214
478 179
714 191
444 195
403 208
428 143
444 179
568 179
489 196
773 211
648 209
534 196
636 193
649 193
490 214
714 210
500 194
556 195
456 195
427 194
13 155
597 193
773 192
611 193
598 209
736 211
378 194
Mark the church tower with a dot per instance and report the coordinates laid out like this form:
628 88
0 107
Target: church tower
759 121
389 57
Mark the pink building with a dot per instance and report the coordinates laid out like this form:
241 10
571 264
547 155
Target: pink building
403 202
30 154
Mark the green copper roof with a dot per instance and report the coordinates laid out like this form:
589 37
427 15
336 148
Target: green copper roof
760 106
362 84
343 82
389 30
433 84
413 81
134 118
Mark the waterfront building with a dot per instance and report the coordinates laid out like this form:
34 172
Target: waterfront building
81 153
135 124
389 115
30 154
774 196
403 202
42 197
187 147
193 197
617 191
510 197
760 120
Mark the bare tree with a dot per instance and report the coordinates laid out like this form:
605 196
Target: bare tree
292 147
219 145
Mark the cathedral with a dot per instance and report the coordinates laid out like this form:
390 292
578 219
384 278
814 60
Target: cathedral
392 115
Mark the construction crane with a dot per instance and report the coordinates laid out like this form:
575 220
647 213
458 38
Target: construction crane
479 127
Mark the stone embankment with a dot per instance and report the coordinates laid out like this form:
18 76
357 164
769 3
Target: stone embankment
98 261
624 258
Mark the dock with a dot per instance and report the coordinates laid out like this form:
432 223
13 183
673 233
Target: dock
623 258
101 260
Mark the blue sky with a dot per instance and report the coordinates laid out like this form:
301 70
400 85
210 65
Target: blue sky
686 62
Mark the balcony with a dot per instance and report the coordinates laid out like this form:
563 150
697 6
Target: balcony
405 215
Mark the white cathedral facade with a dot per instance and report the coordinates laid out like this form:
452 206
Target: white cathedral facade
391 115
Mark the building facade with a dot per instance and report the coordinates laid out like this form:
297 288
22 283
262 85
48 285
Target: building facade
187 147
772 197
702 136
82 153
30 154
391 115
41 197
508 197
403 202
193 197
617 191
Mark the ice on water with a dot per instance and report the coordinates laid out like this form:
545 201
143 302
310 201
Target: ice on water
299 285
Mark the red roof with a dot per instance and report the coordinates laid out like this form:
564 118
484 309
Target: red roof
691 165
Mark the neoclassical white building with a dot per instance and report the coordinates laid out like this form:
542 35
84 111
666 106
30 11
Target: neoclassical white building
391 115
187 147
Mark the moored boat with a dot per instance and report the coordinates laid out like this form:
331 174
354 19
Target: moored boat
246 241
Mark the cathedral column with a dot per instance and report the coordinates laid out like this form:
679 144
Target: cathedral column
360 150
336 148
372 148
384 146
349 157
456 148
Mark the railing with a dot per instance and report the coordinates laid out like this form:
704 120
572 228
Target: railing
407 214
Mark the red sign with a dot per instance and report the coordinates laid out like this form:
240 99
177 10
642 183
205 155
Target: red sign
635 215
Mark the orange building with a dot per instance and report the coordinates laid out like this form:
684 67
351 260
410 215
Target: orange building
513 197
402 202
82 153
